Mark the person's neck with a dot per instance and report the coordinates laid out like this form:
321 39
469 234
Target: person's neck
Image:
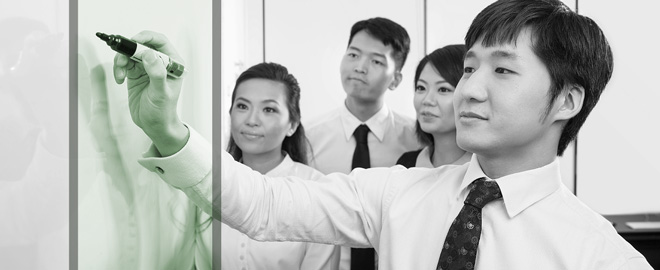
445 150
533 154
264 162
515 161
363 110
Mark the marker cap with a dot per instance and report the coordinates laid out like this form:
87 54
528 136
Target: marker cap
175 69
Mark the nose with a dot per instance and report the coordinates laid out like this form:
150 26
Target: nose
429 98
361 66
252 119
472 88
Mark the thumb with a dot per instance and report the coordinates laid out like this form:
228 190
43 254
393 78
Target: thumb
155 68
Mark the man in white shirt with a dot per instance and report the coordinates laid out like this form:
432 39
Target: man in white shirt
376 52
518 106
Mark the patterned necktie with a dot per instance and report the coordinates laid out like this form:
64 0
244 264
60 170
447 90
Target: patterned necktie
362 258
460 248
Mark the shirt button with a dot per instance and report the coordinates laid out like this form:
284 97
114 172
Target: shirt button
160 170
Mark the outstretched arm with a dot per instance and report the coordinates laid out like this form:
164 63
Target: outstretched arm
337 209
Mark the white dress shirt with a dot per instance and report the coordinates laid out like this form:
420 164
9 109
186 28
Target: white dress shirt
239 252
406 213
333 144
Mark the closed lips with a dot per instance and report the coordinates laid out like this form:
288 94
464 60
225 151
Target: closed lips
357 79
250 134
429 114
472 115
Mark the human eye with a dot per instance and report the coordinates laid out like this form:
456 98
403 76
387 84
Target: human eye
503 71
378 62
445 90
270 110
420 88
468 69
351 55
241 106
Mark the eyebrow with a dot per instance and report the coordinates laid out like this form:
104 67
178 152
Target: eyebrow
264 101
373 53
438 82
496 54
469 54
242 99
504 54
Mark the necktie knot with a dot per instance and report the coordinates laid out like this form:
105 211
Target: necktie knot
361 133
482 192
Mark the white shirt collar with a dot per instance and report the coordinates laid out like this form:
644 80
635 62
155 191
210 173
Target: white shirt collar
378 123
519 190
282 169
424 158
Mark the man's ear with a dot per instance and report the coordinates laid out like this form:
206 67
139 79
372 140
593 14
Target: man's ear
294 127
397 80
569 102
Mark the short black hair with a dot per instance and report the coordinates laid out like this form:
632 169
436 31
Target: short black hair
572 47
388 32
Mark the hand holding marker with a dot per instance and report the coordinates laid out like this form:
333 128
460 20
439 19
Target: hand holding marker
133 50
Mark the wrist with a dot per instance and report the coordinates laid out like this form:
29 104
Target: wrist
169 139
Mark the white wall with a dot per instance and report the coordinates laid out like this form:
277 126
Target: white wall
242 47
449 20
618 162
34 228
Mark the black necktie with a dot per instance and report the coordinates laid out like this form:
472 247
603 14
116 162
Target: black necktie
460 248
362 258
361 153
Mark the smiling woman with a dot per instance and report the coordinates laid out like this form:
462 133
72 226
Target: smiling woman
260 121
266 135
436 77
265 117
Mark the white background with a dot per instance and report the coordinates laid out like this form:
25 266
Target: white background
34 209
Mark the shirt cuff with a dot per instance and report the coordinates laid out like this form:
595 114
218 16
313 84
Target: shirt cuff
185 168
